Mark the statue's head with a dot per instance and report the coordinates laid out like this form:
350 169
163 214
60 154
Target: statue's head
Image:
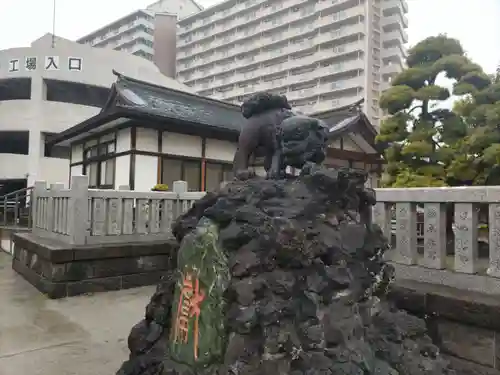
305 140
264 102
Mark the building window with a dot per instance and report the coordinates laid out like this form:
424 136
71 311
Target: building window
178 169
99 162
216 173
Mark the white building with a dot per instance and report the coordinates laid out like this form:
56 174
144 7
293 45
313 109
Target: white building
45 90
321 53
138 32
147 134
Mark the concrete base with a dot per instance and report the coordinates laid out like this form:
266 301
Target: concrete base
6 237
59 270
463 324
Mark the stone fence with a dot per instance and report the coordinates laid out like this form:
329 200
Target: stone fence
436 233
83 216
446 236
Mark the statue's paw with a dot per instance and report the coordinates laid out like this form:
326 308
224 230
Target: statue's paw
274 174
244 175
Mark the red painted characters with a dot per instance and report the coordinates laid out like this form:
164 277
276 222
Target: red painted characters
190 299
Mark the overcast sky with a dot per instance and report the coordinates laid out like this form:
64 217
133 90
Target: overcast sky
474 23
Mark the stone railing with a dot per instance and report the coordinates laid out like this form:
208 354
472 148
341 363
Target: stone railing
436 234
81 216
435 229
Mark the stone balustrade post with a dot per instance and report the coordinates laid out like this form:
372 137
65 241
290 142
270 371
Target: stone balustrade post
494 239
466 231
434 236
51 206
381 215
179 187
78 210
406 233
38 187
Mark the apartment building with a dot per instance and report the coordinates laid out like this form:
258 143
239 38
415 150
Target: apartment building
137 32
322 54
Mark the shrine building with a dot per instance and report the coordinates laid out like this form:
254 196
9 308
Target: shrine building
148 134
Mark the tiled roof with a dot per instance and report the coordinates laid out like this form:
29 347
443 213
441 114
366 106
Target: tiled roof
132 97
132 94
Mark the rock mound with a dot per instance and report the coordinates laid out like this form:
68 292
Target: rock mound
306 293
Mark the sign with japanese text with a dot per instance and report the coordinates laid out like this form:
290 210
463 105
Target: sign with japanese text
30 63
51 63
46 63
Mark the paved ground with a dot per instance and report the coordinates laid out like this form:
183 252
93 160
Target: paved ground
76 336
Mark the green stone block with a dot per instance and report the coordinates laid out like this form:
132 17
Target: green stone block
198 335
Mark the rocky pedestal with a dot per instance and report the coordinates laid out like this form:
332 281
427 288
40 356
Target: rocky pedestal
281 277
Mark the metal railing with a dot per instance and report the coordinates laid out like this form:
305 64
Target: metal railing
15 208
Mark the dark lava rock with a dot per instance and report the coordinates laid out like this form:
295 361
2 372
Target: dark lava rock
307 286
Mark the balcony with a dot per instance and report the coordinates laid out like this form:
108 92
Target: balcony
326 88
340 33
326 105
287 18
292 48
392 69
395 34
395 52
404 5
120 33
319 72
331 19
259 14
395 19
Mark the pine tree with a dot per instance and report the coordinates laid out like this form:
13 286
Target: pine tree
419 133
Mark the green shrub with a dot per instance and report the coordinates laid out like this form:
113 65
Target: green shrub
160 187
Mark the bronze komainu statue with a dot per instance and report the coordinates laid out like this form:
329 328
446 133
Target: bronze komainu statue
262 134
283 137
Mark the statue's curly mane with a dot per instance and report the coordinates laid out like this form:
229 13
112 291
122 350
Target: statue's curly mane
262 102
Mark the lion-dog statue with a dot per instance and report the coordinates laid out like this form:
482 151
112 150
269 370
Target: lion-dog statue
282 136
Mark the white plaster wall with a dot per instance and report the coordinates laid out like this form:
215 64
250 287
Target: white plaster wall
146 140
122 170
146 172
13 165
181 144
42 115
76 170
220 150
54 170
350 145
76 153
35 154
57 117
123 140
16 114
335 143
